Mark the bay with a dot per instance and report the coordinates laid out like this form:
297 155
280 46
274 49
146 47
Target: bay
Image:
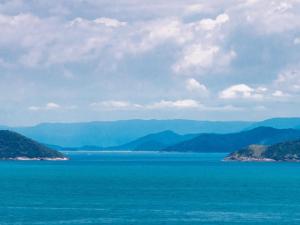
148 188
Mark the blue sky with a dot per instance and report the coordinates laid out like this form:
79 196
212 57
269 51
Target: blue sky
85 60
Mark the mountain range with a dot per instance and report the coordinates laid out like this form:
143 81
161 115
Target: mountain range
172 142
154 142
105 134
231 142
114 133
279 123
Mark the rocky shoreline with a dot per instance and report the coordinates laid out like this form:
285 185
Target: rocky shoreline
35 159
282 152
248 159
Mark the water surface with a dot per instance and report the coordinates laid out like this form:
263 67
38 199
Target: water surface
149 189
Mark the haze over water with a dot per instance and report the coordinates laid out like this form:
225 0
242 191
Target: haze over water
149 188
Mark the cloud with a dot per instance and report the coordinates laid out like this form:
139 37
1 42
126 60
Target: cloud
242 91
47 107
52 41
204 52
34 108
261 93
197 56
146 36
195 8
47 41
262 15
89 49
108 22
279 93
193 85
114 105
297 41
202 57
126 105
190 104
162 105
224 108
289 80
179 104
52 105
210 24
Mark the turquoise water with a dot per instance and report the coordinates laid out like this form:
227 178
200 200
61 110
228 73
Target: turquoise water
149 189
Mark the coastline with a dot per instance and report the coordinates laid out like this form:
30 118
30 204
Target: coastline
36 159
248 159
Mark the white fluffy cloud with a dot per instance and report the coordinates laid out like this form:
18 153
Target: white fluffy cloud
89 49
114 105
271 93
270 16
47 41
48 106
194 85
109 22
242 91
279 93
203 57
126 105
205 52
179 104
211 24
52 105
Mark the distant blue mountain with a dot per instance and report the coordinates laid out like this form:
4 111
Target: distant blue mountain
114 133
234 141
279 123
154 142
207 142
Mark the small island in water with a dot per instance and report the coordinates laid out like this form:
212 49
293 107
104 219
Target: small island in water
14 146
285 151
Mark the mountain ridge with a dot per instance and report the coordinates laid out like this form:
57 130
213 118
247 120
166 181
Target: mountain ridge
232 141
99 134
154 142
114 133
278 122
17 146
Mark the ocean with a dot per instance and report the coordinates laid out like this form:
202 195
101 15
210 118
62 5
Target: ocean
149 189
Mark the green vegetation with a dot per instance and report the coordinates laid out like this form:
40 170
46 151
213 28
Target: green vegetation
16 146
286 151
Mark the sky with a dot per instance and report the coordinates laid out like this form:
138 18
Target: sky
88 60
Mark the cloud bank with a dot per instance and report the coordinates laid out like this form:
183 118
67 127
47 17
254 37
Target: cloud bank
143 59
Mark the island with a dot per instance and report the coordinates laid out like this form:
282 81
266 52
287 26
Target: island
14 146
285 151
